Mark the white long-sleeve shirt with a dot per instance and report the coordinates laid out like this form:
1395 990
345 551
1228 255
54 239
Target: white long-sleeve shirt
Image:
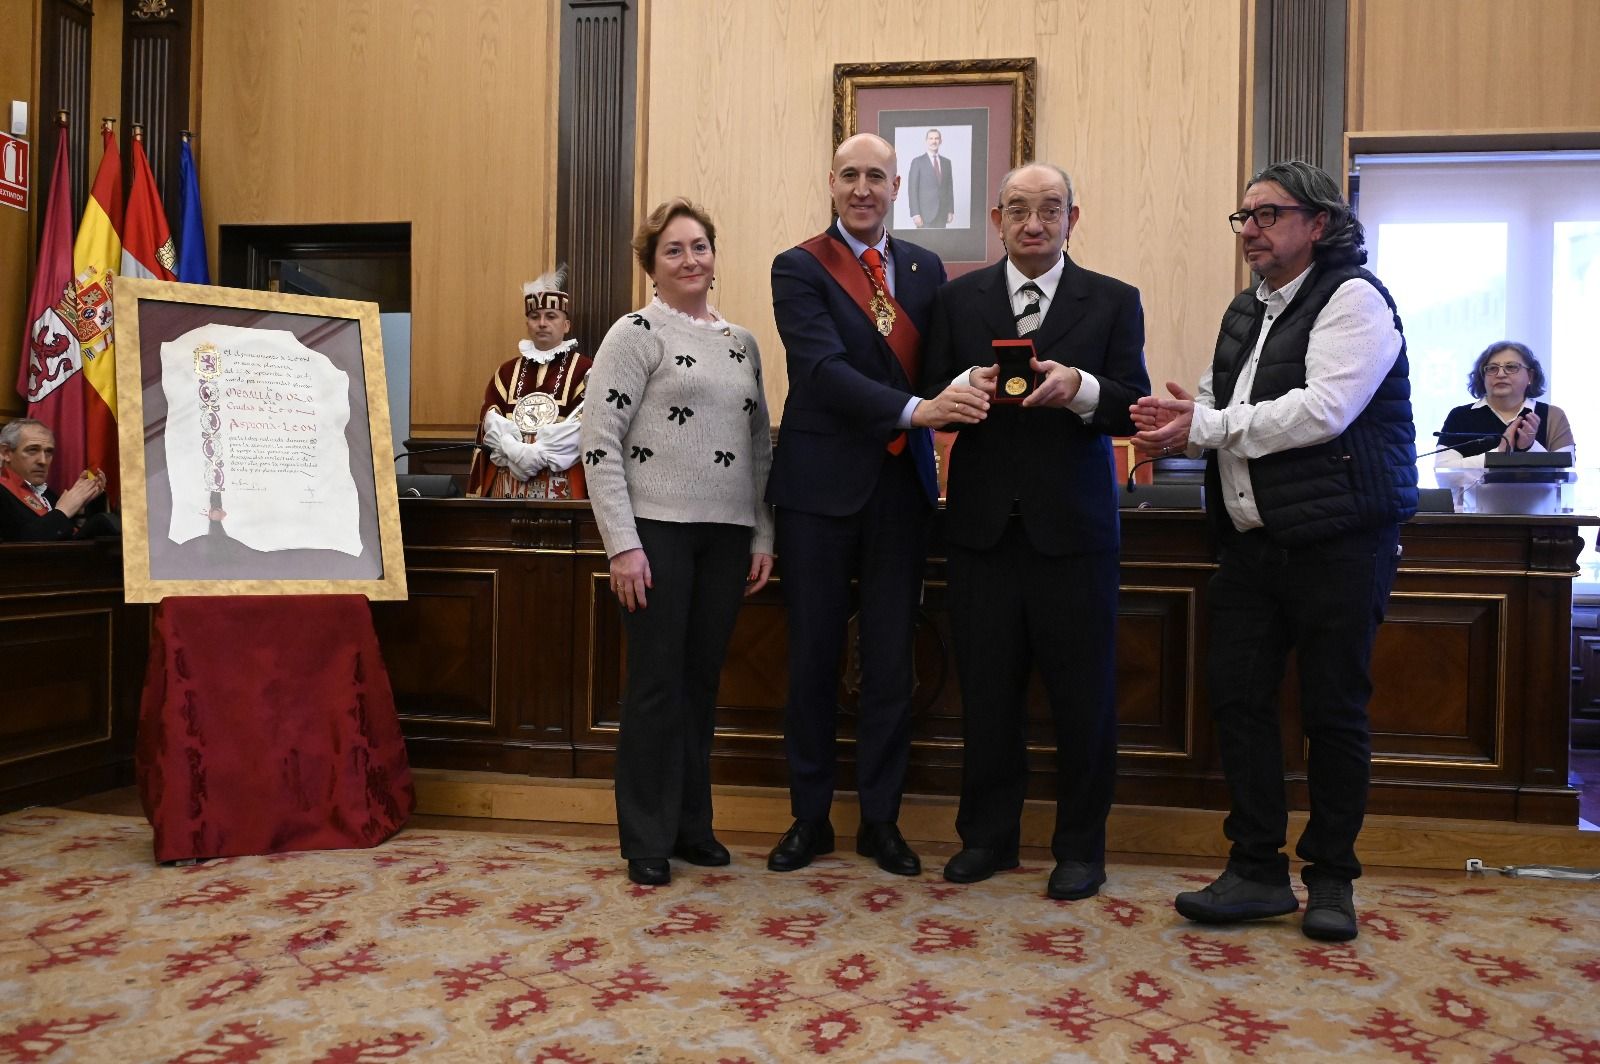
1352 346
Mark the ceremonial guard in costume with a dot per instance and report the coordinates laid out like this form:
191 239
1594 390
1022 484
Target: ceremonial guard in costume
529 421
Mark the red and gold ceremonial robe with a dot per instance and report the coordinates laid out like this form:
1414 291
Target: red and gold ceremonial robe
562 378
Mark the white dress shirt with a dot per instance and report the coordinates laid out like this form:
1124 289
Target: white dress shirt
1352 346
1088 398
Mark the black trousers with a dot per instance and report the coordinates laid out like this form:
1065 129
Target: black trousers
884 548
676 646
1324 602
1014 610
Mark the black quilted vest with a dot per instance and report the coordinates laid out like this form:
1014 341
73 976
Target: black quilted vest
1364 478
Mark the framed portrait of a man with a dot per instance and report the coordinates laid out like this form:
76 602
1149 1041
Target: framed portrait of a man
255 453
957 126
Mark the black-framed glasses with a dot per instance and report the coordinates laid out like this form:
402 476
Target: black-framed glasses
1049 214
1503 369
1266 215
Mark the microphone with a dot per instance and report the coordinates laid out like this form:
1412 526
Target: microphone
1468 438
484 447
1140 464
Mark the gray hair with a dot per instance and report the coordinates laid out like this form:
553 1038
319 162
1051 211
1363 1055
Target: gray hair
1344 239
11 435
1066 179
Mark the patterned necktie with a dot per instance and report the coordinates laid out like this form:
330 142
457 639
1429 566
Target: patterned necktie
1031 315
874 264
873 261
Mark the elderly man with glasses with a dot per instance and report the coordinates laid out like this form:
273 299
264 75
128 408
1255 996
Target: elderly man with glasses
1305 421
1031 525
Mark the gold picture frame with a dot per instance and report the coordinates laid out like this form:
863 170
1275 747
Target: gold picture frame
157 564
984 111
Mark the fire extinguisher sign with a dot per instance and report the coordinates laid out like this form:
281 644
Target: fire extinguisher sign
13 171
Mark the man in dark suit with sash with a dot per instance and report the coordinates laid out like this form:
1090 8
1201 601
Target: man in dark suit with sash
1031 526
853 482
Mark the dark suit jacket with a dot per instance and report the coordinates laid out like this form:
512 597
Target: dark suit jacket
18 524
846 388
932 201
1057 468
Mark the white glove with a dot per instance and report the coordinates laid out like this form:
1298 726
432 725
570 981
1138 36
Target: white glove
524 460
498 429
559 443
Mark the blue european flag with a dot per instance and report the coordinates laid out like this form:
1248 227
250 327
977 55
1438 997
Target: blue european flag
192 265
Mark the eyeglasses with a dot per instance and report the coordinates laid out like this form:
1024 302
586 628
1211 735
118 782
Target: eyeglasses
1503 369
1266 216
1049 214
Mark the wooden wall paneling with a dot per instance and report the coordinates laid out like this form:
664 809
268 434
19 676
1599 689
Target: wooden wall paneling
19 60
1463 65
397 110
70 713
595 193
1463 714
442 649
1140 102
1586 676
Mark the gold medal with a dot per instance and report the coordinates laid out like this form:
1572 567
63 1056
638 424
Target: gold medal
1016 386
883 313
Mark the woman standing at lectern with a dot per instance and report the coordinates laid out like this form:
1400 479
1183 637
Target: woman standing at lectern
676 445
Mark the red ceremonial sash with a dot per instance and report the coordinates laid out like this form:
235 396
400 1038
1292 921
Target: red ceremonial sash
904 339
18 487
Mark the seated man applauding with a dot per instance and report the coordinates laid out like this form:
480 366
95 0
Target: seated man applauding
29 511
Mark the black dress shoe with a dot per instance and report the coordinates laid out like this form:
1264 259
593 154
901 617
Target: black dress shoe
974 864
1074 880
804 840
884 844
649 871
707 854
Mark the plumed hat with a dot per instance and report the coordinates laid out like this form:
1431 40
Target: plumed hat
548 292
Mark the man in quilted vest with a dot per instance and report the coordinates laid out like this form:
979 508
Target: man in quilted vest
1305 421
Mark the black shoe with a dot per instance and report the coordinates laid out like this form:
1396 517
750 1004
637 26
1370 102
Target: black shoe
975 864
1330 910
884 844
1076 880
1232 898
804 840
707 854
649 871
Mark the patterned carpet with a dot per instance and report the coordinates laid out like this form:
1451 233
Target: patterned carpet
475 947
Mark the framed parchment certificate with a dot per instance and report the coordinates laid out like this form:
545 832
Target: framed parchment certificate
255 449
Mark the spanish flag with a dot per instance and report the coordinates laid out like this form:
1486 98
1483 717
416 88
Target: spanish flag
96 257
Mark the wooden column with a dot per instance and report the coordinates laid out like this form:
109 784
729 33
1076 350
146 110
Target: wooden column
1300 83
66 27
155 86
594 213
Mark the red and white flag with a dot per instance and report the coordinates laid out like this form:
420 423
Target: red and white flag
50 377
147 249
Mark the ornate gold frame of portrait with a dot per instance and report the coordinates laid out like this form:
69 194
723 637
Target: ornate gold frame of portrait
989 101
149 312
1020 74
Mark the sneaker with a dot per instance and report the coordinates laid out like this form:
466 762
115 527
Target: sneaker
1232 898
1330 910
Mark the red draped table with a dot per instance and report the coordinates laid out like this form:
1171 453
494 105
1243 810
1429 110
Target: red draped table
268 725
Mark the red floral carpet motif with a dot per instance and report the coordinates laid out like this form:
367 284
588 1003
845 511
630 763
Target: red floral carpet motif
466 947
